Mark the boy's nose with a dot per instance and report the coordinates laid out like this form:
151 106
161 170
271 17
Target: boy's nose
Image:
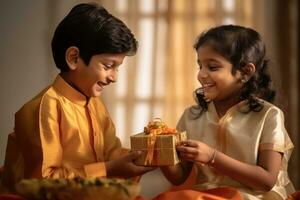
112 76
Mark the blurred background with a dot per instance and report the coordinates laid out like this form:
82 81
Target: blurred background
159 81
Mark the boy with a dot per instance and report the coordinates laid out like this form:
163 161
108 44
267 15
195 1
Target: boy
66 131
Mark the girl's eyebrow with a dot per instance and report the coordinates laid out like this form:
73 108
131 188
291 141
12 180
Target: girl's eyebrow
208 60
213 59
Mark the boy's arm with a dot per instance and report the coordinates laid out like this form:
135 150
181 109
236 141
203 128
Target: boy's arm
118 160
112 145
38 137
51 146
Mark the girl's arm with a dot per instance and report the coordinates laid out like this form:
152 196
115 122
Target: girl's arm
262 176
177 174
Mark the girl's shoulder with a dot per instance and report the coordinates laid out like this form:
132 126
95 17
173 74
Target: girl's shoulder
267 106
267 111
193 111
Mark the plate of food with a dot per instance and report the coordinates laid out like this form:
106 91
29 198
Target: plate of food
78 189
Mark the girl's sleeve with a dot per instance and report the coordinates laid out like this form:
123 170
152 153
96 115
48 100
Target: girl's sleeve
274 135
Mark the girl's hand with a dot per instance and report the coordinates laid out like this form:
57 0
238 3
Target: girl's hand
195 151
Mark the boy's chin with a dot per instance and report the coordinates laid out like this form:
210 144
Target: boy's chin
96 94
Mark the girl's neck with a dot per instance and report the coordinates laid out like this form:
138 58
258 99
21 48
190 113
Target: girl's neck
222 106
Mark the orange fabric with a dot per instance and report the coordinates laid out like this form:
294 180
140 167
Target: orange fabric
224 193
189 182
294 196
138 198
11 197
60 134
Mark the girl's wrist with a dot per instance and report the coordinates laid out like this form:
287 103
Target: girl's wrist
212 158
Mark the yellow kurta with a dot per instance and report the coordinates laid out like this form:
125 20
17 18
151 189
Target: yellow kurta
240 136
59 134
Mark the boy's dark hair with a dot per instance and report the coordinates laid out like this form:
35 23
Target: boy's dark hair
240 46
93 30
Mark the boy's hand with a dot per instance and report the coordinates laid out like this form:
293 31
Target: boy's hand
125 167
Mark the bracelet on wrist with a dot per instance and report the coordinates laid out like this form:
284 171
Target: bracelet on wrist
213 157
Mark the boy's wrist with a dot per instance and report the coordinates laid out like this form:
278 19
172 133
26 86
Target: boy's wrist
109 168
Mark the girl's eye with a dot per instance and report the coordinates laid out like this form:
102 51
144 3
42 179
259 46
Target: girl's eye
199 66
213 68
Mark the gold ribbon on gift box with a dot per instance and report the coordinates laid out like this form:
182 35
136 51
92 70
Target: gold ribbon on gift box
164 152
153 129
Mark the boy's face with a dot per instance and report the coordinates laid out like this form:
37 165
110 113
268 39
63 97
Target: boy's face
102 70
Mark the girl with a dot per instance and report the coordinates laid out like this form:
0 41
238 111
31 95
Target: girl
237 137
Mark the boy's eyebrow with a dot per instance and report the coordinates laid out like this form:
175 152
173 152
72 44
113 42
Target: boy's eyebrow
108 59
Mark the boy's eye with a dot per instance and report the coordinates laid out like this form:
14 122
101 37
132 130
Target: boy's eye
107 66
111 66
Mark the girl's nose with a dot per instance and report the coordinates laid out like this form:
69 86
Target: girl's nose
202 74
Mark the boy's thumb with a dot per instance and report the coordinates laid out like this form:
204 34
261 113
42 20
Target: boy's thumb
135 154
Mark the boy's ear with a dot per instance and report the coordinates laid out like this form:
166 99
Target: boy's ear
72 57
247 71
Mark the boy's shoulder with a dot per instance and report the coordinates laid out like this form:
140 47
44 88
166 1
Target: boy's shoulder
33 105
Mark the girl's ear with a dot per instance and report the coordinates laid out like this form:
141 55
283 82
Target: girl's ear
72 57
247 72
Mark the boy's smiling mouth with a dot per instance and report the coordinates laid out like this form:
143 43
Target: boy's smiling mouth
101 85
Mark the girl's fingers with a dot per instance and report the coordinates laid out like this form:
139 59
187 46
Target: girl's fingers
187 156
188 150
188 143
190 158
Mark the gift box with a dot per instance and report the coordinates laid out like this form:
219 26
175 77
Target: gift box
162 153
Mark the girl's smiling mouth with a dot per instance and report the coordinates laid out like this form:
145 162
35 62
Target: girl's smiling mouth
207 86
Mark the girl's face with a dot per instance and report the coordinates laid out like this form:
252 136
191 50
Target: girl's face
215 76
102 70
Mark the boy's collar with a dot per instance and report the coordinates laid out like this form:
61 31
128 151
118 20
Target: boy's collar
69 92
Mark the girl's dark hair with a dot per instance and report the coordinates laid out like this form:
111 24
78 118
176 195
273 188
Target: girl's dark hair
240 46
93 30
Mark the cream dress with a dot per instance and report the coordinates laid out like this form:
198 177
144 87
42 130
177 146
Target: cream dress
241 136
